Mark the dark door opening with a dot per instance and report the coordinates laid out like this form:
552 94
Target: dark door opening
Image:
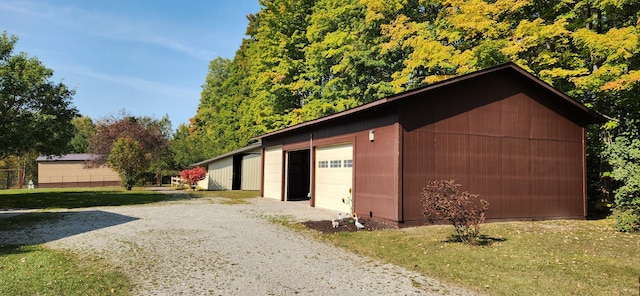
236 183
298 175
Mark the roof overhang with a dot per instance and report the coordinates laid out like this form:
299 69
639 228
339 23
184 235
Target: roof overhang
232 153
590 116
67 157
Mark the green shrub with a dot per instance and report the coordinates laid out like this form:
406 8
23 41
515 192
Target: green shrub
442 200
627 220
623 153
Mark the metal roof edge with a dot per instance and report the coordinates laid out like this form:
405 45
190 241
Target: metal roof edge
237 151
596 117
325 118
67 157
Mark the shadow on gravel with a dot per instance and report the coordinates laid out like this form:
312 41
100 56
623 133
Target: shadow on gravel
42 227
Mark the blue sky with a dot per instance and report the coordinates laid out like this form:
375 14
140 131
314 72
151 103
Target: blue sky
149 58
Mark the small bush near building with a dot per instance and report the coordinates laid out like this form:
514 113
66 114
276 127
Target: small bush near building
627 220
442 200
193 176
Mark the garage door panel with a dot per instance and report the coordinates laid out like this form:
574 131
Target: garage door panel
334 174
273 173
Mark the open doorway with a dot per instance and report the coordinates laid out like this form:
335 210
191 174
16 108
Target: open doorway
298 175
236 182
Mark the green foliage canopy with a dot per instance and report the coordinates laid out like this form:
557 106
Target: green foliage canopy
35 113
85 129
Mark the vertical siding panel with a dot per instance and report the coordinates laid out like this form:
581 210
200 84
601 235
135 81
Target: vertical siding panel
485 172
520 155
376 169
516 117
273 169
545 176
554 168
221 174
251 172
516 184
486 120
419 168
452 158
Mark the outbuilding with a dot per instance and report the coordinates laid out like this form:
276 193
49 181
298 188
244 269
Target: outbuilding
71 170
500 132
236 170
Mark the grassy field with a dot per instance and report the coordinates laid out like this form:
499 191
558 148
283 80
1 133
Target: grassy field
37 270
515 258
70 198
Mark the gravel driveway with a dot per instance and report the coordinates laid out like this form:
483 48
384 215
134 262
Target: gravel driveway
199 247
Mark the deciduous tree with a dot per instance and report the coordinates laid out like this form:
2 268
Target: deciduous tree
149 134
35 113
193 176
127 157
85 129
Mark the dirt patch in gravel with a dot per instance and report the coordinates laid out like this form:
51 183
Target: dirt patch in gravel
326 226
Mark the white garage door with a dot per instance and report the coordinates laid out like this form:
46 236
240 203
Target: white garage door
334 166
273 173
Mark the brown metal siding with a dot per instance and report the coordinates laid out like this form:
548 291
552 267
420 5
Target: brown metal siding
485 167
376 168
556 174
516 179
518 154
418 167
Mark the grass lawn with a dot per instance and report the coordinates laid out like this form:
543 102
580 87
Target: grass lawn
231 197
516 258
38 270
69 198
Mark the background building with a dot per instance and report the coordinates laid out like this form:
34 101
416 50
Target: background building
71 171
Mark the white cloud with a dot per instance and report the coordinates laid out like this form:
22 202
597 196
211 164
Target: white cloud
142 85
110 26
24 8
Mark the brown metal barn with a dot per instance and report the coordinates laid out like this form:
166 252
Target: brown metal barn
500 132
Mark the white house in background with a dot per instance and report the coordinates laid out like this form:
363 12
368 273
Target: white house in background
236 170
